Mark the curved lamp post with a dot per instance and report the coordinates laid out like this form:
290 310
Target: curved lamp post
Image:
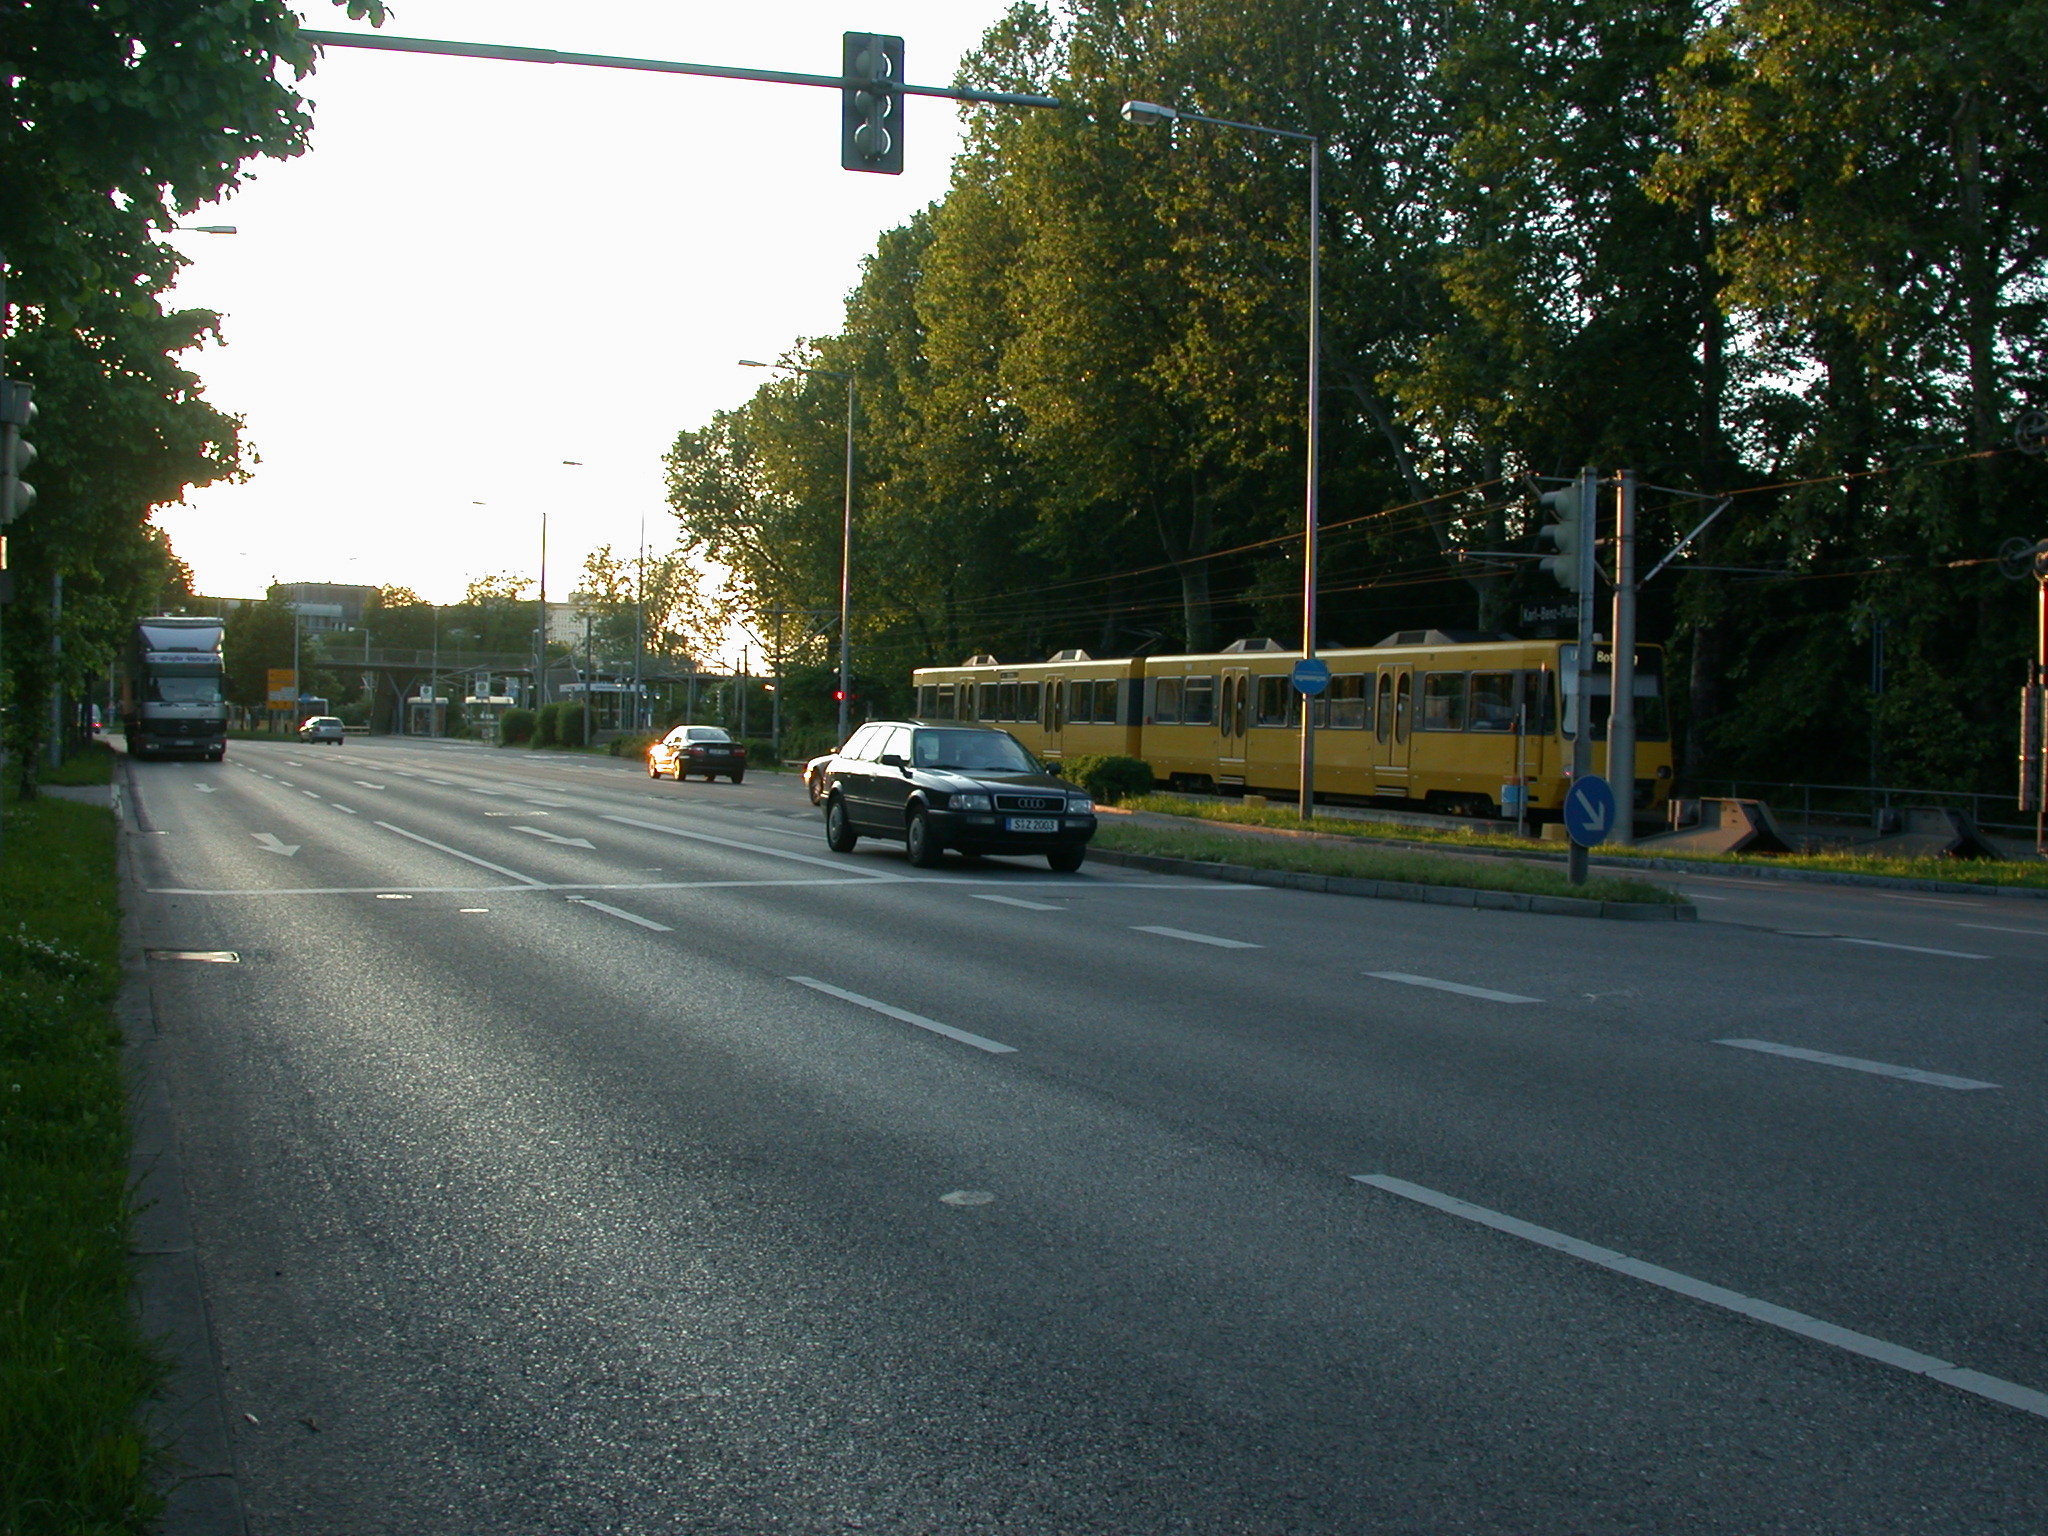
1151 112
846 525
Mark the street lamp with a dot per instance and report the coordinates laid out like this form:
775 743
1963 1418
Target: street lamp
846 526
1150 112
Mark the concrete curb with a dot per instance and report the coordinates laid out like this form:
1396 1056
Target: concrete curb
202 1496
1397 890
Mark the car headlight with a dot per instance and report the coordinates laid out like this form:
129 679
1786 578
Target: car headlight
1081 805
970 802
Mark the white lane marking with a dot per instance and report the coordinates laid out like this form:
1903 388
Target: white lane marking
309 794
620 912
271 843
556 837
979 1042
1458 987
337 805
287 783
1702 896
1019 901
1857 1064
966 1197
469 858
835 863
1195 938
1928 901
204 789
366 784
2010 1393
444 783
2032 933
560 805
1846 938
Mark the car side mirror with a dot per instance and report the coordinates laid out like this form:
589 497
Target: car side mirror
892 760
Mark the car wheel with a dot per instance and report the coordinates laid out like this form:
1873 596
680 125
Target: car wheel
737 777
1065 861
653 771
921 843
678 774
817 787
839 834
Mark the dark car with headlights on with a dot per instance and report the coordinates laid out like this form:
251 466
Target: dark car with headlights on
966 787
704 749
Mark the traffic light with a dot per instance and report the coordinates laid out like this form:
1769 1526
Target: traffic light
1570 534
17 453
871 113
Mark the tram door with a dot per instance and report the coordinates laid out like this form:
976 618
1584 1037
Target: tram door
1393 716
1053 713
1232 709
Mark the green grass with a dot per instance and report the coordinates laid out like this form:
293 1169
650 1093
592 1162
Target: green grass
1996 872
74 1368
1364 862
93 764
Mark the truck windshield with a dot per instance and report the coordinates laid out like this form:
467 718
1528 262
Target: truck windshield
204 689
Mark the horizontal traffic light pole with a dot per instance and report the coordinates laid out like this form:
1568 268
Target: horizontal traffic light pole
658 66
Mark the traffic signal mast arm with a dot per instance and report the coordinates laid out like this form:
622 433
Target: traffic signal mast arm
659 66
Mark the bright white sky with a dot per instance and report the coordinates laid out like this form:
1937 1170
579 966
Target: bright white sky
481 269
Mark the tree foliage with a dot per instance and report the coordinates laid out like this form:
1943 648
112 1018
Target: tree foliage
1785 253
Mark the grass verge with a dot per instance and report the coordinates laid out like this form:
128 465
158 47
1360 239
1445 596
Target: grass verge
74 1367
1405 865
1994 872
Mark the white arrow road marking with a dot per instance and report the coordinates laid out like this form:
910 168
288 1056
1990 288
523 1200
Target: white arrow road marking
570 842
2011 1393
1596 815
271 844
979 1042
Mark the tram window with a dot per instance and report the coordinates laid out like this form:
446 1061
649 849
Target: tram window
1403 703
1006 701
1166 701
1198 700
1105 703
1493 701
984 701
1383 717
927 700
1443 702
1539 703
1276 697
1027 701
948 702
1344 705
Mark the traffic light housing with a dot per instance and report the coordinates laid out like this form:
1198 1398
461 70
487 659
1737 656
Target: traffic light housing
17 453
1573 508
871 112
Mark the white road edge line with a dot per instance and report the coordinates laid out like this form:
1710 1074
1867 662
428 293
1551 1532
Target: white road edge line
979 1042
1998 1390
620 912
1857 1064
1195 938
470 858
1458 987
1847 938
2032 933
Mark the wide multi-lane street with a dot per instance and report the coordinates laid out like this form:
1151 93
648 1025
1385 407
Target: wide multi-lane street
569 1152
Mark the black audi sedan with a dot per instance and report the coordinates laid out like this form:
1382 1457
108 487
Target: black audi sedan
971 788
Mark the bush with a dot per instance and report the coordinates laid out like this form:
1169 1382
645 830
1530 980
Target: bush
1110 779
544 720
515 726
568 723
631 745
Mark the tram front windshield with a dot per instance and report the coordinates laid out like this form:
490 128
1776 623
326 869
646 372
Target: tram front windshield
1652 724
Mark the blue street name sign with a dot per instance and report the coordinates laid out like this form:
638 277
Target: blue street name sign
1311 675
1589 811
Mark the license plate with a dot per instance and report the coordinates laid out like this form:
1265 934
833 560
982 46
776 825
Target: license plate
1031 824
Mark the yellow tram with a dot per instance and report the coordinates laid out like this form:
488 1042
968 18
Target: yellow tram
1423 717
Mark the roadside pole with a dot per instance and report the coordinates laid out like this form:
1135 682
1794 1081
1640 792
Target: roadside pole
1621 711
1588 585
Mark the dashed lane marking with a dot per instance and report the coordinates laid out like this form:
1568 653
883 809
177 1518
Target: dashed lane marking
1994 1388
620 912
1458 987
1019 901
1857 1064
1911 949
904 1015
2032 933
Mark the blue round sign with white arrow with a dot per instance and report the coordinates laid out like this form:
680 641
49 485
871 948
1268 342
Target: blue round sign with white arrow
1589 811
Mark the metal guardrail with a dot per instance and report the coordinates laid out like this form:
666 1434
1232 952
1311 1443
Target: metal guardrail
1864 802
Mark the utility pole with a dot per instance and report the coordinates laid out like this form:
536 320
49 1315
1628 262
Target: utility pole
589 669
53 753
1621 712
1587 574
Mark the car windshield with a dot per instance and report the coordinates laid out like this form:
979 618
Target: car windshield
973 751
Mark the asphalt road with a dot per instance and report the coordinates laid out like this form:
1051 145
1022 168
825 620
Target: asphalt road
574 1153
